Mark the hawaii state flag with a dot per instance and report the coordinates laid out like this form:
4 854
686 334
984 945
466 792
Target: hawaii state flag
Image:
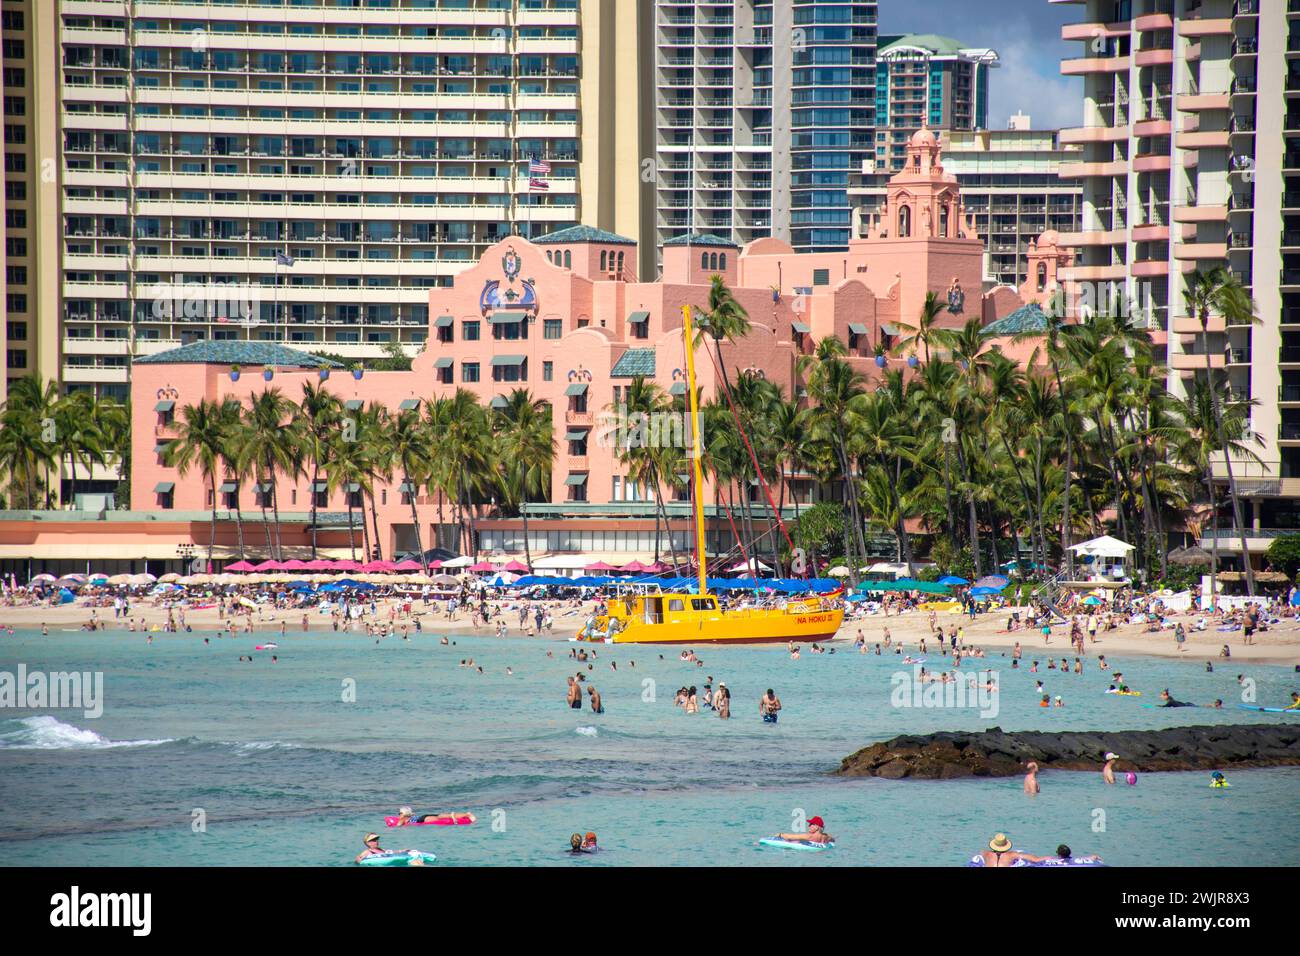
536 185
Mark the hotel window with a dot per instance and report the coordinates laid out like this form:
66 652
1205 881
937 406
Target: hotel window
552 328
509 368
568 259
603 260
548 371
469 331
469 371
443 324
620 262
444 370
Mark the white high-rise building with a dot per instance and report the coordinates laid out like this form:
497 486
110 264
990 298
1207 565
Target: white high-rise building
329 160
1191 161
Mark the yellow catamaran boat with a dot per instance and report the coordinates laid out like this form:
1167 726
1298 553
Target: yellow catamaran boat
698 617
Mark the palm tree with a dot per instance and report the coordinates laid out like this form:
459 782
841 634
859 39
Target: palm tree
926 330
525 454
200 437
1220 291
237 462
1197 441
726 320
462 457
409 441
346 468
38 400
23 452
78 439
320 415
373 433
274 445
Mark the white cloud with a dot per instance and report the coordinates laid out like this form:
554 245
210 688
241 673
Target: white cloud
1030 83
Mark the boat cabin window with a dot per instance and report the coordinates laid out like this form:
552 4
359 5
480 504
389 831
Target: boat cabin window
676 605
704 604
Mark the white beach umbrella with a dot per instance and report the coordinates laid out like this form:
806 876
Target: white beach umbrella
839 571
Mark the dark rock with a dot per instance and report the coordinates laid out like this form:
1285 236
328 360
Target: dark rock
994 753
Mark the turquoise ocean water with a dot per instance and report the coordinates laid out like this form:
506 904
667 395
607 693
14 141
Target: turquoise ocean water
285 771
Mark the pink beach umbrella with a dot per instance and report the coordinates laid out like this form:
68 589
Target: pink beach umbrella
481 566
517 567
409 565
320 564
659 567
295 565
267 566
600 566
240 567
376 567
347 564
636 567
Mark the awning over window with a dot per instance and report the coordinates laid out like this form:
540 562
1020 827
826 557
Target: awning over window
499 360
353 487
159 446
444 321
578 388
406 488
888 329
410 404
508 318
800 327
576 479
857 328
319 486
227 487
575 434
353 404
443 363
164 406
678 388
264 487
500 402
164 487
636 318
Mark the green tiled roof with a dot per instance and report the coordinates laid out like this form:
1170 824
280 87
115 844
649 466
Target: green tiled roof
926 41
1027 318
211 352
634 362
583 234
701 239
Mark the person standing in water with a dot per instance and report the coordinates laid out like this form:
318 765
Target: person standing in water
1031 779
722 701
574 697
769 705
1108 771
596 706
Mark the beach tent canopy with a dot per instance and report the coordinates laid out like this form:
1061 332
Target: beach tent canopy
1103 547
984 591
887 567
839 571
460 562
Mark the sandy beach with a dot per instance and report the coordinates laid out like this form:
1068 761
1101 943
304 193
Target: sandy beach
1280 644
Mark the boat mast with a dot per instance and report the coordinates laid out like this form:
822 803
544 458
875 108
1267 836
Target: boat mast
697 447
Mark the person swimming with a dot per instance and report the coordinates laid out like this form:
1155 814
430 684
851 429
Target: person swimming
1000 853
1218 781
816 833
1167 701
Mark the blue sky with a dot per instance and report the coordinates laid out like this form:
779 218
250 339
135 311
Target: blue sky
1027 36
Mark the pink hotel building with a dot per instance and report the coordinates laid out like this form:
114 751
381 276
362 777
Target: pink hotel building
559 317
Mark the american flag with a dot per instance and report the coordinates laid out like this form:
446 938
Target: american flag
536 185
538 167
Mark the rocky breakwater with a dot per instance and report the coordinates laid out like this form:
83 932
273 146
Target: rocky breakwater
995 753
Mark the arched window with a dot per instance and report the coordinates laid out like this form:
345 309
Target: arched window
620 262
943 221
704 260
549 255
1042 276
904 221
604 260
568 259
722 261
713 260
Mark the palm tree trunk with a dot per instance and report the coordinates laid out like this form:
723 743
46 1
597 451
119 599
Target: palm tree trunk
374 517
275 511
352 528
415 520
1067 556
1237 523
1214 541
212 529
315 477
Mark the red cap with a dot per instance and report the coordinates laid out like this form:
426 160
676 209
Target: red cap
816 822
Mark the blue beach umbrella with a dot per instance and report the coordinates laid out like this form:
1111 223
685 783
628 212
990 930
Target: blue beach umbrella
952 580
